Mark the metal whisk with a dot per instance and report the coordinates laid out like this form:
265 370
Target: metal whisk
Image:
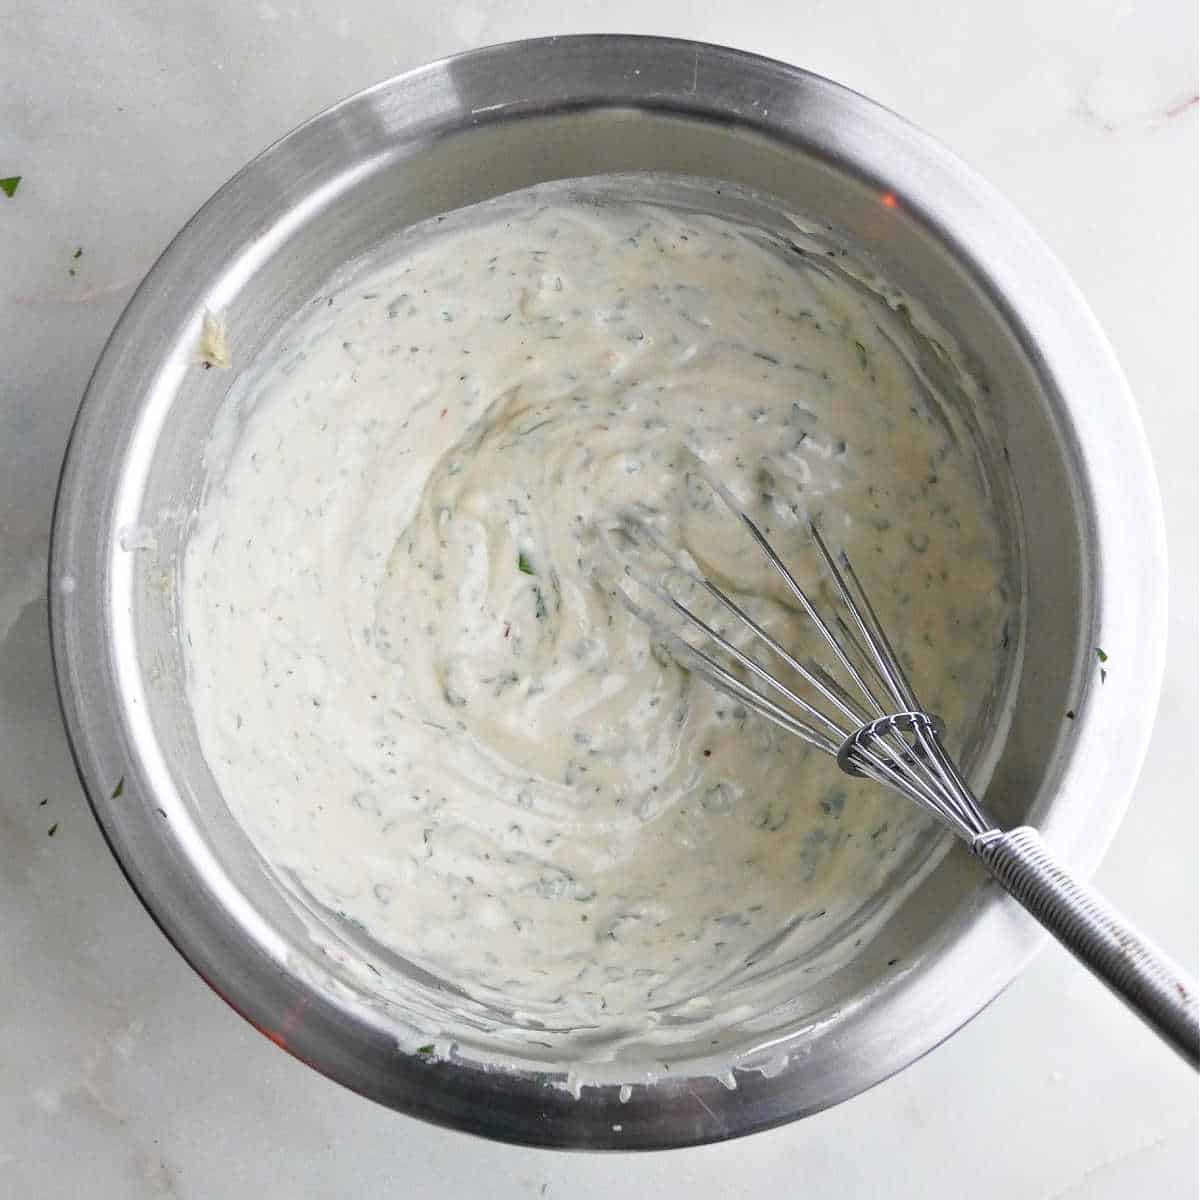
876 728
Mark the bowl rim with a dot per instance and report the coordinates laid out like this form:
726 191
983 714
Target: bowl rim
1056 330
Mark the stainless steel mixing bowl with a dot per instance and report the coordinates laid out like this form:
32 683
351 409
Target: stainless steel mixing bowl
473 127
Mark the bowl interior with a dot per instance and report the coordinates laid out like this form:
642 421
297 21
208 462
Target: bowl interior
358 224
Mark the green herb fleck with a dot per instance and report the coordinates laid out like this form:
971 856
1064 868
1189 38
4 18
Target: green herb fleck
9 186
52 830
426 1050
43 801
78 252
116 792
524 565
539 604
1101 655
863 359
834 802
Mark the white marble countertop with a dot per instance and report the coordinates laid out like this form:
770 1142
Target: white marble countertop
121 1074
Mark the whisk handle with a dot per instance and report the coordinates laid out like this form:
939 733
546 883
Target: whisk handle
1138 972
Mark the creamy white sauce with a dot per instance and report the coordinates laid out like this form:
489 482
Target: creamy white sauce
427 711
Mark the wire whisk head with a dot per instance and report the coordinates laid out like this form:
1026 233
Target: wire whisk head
870 720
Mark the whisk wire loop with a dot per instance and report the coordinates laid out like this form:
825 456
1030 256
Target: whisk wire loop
876 728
